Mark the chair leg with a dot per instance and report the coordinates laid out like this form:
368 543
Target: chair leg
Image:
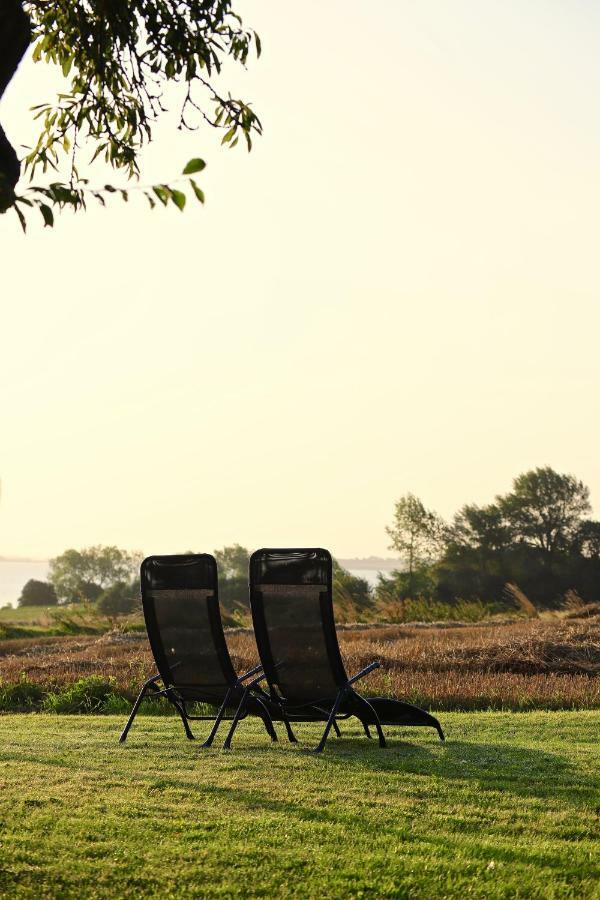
238 714
330 721
182 715
382 741
288 727
335 725
267 721
217 722
133 713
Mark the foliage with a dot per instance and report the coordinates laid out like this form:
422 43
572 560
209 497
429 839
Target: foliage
505 809
535 538
398 586
86 695
586 539
482 528
417 534
435 611
514 593
38 593
351 595
545 509
119 599
20 696
79 574
349 589
233 562
123 63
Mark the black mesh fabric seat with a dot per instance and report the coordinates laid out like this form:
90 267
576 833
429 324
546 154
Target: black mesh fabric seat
185 631
292 611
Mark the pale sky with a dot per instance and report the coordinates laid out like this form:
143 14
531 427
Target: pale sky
397 290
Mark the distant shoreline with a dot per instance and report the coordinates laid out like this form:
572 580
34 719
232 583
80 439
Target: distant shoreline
377 563
23 559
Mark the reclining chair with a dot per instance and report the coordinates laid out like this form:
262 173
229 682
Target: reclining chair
292 611
185 631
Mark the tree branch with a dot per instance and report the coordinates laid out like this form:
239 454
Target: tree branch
15 36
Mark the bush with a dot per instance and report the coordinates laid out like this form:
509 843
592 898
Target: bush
87 695
421 609
23 696
233 592
117 600
38 593
87 590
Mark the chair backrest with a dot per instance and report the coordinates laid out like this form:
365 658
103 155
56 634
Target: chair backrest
292 610
180 597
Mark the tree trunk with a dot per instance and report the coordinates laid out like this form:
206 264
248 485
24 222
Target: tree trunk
15 36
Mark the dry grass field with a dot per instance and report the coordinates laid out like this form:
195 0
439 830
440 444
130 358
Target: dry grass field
528 664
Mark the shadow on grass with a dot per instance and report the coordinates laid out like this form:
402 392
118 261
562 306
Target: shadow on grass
492 767
518 770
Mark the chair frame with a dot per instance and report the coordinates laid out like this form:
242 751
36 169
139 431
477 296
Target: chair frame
235 684
349 701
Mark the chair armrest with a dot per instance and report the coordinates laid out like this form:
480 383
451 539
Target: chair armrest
254 682
363 672
248 674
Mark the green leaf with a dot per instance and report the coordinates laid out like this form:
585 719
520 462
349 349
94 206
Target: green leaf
161 193
199 194
178 198
47 215
194 165
21 217
228 135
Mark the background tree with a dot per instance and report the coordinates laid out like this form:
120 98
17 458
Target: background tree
233 561
482 528
417 535
15 35
534 537
38 593
545 508
84 574
120 59
352 596
119 599
586 539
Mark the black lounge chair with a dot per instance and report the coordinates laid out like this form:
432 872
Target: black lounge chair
292 611
181 609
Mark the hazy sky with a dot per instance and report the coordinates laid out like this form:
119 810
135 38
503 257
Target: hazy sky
397 290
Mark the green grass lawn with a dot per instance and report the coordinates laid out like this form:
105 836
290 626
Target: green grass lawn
25 615
40 621
508 807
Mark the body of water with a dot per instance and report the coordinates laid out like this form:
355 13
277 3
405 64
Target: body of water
16 573
369 575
